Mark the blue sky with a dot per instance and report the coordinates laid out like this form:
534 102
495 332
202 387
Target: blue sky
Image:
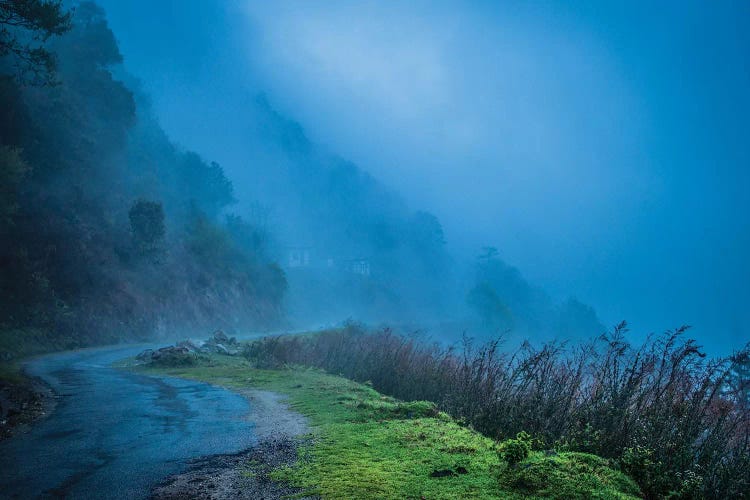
601 146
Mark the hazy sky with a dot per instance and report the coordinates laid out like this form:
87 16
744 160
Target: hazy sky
603 147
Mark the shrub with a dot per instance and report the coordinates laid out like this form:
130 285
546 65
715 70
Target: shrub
516 450
568 476
669 416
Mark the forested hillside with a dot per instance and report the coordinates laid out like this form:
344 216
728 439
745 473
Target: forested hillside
319 203
109 230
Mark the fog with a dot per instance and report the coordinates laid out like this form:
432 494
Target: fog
601 149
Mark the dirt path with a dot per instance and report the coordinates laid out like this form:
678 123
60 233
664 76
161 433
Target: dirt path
117 434
280 432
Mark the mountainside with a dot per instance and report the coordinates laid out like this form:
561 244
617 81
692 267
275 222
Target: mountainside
110 231
115 232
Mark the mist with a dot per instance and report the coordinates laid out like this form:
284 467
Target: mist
374 250
600 149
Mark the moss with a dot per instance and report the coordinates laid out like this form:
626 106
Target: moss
568 475
372 446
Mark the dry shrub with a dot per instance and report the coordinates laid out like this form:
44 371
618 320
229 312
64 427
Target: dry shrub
664 412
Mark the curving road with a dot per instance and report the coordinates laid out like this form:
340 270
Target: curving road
116 434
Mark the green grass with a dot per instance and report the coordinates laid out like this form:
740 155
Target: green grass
372 446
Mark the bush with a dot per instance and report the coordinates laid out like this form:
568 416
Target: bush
665 413
568 476
516 450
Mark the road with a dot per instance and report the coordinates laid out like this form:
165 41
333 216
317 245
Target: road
116 434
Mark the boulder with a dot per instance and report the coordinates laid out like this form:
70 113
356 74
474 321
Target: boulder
219 343
145 356
174 356
189 345
220 337
171 355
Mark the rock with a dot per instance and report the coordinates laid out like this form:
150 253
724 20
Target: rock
219 343
178 355
187 344
220 337
170 351
145 356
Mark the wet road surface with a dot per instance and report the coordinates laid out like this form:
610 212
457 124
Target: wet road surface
116 434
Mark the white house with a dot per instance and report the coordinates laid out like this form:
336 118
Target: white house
298 257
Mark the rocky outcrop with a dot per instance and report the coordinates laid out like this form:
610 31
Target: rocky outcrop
186 352
219 343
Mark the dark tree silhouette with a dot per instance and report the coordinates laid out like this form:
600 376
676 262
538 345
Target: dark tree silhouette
147 226
25 25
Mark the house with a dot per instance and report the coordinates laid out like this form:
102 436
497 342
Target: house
360 266
298 257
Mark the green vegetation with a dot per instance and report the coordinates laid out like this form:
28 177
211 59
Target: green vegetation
672 419
516 450
110 231
18 343
568 475
372 446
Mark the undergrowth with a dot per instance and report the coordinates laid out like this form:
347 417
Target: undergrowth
368 445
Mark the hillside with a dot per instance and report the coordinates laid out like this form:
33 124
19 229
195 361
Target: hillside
366 445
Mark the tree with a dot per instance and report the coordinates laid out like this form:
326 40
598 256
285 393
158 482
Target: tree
205 184
12 171
495 314
147 226
426 232
25 25
488 254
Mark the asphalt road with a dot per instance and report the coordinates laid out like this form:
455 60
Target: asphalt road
116 434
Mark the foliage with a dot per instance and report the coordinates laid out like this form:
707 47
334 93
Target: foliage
24 27
112 231
516 450
549 475
12 171
502 301
147 225
660 411
368 445
493 311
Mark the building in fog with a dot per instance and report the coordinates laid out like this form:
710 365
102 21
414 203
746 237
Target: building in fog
298 257
360 266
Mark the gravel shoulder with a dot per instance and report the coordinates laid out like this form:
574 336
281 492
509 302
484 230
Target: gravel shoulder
23 401
280 431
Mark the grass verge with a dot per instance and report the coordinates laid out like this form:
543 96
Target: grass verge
372 446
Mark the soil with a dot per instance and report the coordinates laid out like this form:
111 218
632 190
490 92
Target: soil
280 432
243 475
22 403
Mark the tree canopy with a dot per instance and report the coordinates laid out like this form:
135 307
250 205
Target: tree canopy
25 26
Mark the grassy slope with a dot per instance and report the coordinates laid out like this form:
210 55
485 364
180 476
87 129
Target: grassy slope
372 446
